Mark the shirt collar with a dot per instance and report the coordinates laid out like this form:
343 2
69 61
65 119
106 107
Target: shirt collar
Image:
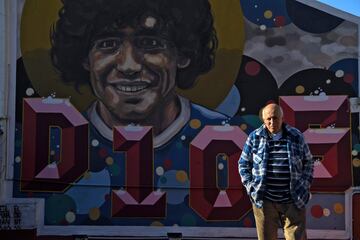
160 139
264 133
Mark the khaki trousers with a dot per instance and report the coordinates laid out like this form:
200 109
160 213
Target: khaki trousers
274 215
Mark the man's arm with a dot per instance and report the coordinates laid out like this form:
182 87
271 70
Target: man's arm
308 164
245 164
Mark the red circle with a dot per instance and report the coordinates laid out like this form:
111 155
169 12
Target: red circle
167 164
279 21
248 222
317 211
103 152
252 68
348 78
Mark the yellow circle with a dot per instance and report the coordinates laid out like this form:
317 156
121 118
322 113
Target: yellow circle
268 14
338 208
38 17
181 176
94 214
300 89
243 126
356 162
109 161
156 224
195 123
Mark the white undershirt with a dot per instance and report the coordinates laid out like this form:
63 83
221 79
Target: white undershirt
276 136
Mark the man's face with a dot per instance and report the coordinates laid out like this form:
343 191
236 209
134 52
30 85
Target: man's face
132 71
273 118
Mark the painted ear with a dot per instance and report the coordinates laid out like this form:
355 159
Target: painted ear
86 64
183 62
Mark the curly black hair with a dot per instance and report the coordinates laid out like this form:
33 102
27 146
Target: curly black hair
189 24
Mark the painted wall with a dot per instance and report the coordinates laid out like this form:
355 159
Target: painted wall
140 120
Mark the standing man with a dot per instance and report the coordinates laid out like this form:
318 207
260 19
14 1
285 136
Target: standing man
276 168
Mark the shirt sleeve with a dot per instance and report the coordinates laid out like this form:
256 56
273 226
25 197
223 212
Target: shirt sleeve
308 164
245 164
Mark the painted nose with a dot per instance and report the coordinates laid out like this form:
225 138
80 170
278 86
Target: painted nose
126 60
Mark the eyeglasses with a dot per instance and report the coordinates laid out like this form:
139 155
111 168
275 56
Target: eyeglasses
145 43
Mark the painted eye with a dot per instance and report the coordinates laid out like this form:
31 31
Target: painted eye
109 44
150 43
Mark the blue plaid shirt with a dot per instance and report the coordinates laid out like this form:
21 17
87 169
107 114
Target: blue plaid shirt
253 165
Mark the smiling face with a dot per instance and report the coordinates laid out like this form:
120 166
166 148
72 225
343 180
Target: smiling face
133 70
273 118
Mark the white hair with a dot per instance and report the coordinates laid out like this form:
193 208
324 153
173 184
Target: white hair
277 109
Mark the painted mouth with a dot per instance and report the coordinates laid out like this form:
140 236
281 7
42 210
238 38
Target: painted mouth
132 86
130 89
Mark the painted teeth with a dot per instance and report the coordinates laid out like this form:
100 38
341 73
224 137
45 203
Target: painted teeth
131 88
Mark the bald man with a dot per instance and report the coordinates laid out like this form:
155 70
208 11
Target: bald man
276 168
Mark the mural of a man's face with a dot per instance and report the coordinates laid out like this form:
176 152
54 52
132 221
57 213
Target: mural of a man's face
132 70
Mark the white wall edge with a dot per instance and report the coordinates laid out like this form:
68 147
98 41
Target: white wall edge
9 99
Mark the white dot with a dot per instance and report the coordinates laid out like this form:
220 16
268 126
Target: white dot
243 109
221 166
95 143
322 94
70 217
339 73
18 159
159 171
150 22
326 212
30 92
263 27
354 152
183 137
255 6
328 81
316 91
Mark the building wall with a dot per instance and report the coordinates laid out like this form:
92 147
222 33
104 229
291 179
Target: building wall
70 170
